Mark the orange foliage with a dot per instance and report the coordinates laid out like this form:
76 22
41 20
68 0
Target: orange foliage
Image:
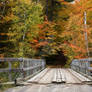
41 37
3 34
8 34
42 44
35 41
78 49
63 1
1 55
77 57
80 57
40 26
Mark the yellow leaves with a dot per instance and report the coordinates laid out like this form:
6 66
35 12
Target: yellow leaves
74 33
9 17
83 5
25 1
8 34
11 3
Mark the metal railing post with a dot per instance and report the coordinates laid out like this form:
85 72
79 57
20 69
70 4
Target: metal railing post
10 73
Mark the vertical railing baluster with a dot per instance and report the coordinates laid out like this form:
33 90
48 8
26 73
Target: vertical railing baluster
10 72
21 69
24 66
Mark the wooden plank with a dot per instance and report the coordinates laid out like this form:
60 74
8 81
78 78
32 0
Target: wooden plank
63 76
47 77
59 76
37 78
81 77
70 78
54 76
52 88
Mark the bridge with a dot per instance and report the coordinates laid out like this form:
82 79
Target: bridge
32 75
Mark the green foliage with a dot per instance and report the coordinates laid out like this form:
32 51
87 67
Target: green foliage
27 16
69 0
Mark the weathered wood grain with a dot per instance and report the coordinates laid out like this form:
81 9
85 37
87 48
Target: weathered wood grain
44 82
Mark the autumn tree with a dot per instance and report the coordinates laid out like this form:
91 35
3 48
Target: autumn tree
5 24
27 16
75 31
19 26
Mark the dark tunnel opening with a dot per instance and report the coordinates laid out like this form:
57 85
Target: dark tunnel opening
57 59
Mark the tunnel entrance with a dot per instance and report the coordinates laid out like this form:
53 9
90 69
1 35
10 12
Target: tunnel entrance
57 59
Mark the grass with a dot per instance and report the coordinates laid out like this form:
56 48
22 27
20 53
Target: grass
5 87
4 78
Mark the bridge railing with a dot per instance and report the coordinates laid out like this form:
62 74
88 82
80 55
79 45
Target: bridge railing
20 68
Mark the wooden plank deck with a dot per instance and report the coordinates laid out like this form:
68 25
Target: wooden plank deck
43 82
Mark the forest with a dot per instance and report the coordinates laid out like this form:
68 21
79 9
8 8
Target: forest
44 28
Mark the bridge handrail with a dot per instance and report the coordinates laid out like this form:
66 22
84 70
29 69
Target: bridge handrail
26 66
